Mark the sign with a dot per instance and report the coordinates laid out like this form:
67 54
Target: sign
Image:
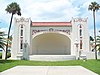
50 30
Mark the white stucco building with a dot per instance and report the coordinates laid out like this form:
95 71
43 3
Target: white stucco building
44 40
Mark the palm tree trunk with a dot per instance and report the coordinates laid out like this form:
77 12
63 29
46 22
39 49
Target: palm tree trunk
8 36
95 35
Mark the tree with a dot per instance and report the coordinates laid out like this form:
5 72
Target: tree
98 43
94 6
12 9
2 40
91 38
10 42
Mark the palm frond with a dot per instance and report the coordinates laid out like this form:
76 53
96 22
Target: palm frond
98 43
13 8
94 6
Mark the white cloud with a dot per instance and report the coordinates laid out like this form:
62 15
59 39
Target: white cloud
51 10
54 10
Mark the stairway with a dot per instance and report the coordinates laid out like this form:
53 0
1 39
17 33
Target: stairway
51 57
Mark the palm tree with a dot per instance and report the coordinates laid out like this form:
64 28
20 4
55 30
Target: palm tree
94 6
98 43
13 9
2 40
91 38
10 42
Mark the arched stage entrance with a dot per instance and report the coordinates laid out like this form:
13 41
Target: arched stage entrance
51 43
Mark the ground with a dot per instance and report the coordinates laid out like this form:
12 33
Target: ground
93 65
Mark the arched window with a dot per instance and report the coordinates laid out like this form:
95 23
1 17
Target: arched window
21 44
80 30
21 32
80 34
21 37
80 44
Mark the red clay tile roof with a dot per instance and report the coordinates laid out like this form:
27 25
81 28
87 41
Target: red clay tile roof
51 24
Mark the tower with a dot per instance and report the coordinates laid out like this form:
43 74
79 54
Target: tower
21 35
80 33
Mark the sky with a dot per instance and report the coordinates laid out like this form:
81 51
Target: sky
50 11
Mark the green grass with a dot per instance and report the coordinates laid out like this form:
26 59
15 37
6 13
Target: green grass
93 65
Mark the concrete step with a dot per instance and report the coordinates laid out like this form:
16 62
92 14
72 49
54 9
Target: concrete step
51 57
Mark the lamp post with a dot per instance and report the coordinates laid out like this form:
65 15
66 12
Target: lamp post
77 52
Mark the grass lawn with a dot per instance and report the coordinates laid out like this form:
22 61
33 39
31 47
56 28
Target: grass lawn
93 65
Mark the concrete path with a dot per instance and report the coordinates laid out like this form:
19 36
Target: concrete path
48 70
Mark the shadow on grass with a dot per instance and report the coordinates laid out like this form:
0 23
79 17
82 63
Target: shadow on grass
98 59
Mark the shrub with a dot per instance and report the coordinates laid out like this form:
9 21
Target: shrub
8 55
0 55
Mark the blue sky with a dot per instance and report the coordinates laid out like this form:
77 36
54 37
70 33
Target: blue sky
50 10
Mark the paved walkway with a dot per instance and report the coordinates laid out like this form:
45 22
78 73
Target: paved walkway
48 70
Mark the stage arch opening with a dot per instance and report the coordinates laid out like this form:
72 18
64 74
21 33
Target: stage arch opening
51 44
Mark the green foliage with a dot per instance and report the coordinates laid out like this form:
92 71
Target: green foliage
13 8
98 43
2 40
8 55
91 38
94 6
0 55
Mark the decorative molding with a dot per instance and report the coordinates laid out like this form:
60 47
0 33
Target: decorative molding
22 19
67 31
80 20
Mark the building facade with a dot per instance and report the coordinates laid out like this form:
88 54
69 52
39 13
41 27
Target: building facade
32 39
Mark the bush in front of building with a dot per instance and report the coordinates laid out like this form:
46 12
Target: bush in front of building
8 55
0 55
